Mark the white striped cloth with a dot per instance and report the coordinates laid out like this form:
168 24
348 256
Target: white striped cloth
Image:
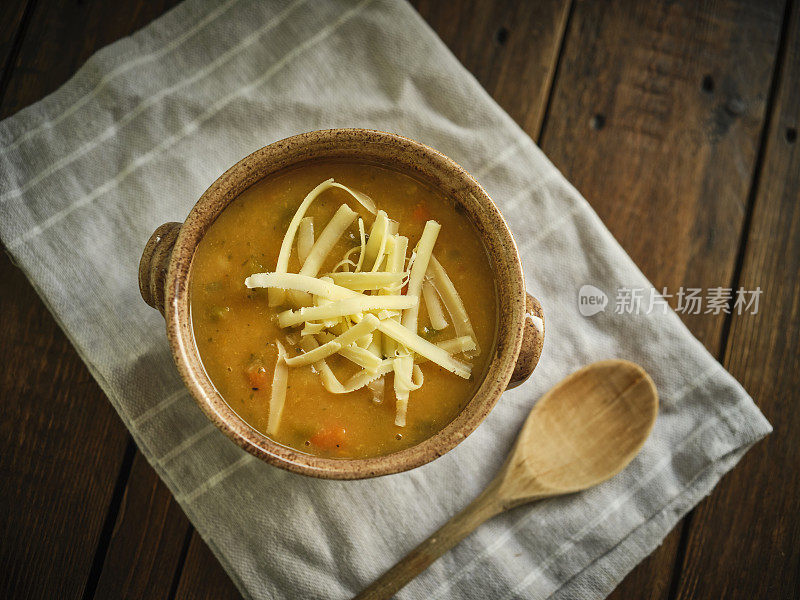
134 138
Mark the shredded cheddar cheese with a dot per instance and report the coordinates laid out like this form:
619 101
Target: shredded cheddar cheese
368 315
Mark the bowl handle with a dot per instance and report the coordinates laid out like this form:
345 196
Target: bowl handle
532 341
155 262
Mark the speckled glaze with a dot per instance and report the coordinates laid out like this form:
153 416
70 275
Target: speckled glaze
166 266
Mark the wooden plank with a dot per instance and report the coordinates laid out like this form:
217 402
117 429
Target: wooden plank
143 554
60 452
744 537
63 446
11 32
656 116
511 48
203 576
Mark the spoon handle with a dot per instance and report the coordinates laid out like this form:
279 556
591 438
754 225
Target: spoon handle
420 558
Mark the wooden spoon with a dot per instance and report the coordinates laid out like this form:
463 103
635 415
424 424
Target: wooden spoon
581 433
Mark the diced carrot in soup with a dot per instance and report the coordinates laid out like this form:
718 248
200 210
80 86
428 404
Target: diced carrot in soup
399 378
329 438
258 379
421 213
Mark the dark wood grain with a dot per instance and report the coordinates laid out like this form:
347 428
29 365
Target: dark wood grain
510 47
62 447
633 128
143 555
656 118
202 577
12 29
744 541
61 450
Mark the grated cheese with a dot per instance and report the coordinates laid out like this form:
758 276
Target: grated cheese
422 256
356 382
277 399
377 235
343 308
361 282
367 325
312 328
276 296
433 306
305 238
363 314
340 221
421 346
322 287
362 248
452 302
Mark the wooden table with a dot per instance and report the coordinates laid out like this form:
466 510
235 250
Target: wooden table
678 122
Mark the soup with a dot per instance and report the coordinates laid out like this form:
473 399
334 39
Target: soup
343 309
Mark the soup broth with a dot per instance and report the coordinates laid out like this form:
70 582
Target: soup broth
238 333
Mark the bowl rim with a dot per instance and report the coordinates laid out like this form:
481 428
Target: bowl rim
483 213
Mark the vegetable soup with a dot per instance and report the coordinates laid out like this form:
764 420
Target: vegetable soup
343 309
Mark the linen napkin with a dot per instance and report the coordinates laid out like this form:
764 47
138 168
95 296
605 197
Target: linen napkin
135 137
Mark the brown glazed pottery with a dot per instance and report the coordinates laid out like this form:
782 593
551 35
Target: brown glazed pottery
166 267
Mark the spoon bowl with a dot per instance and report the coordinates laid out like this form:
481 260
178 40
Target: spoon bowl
582 432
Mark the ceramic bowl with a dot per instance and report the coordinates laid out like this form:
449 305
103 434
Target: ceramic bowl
166 268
